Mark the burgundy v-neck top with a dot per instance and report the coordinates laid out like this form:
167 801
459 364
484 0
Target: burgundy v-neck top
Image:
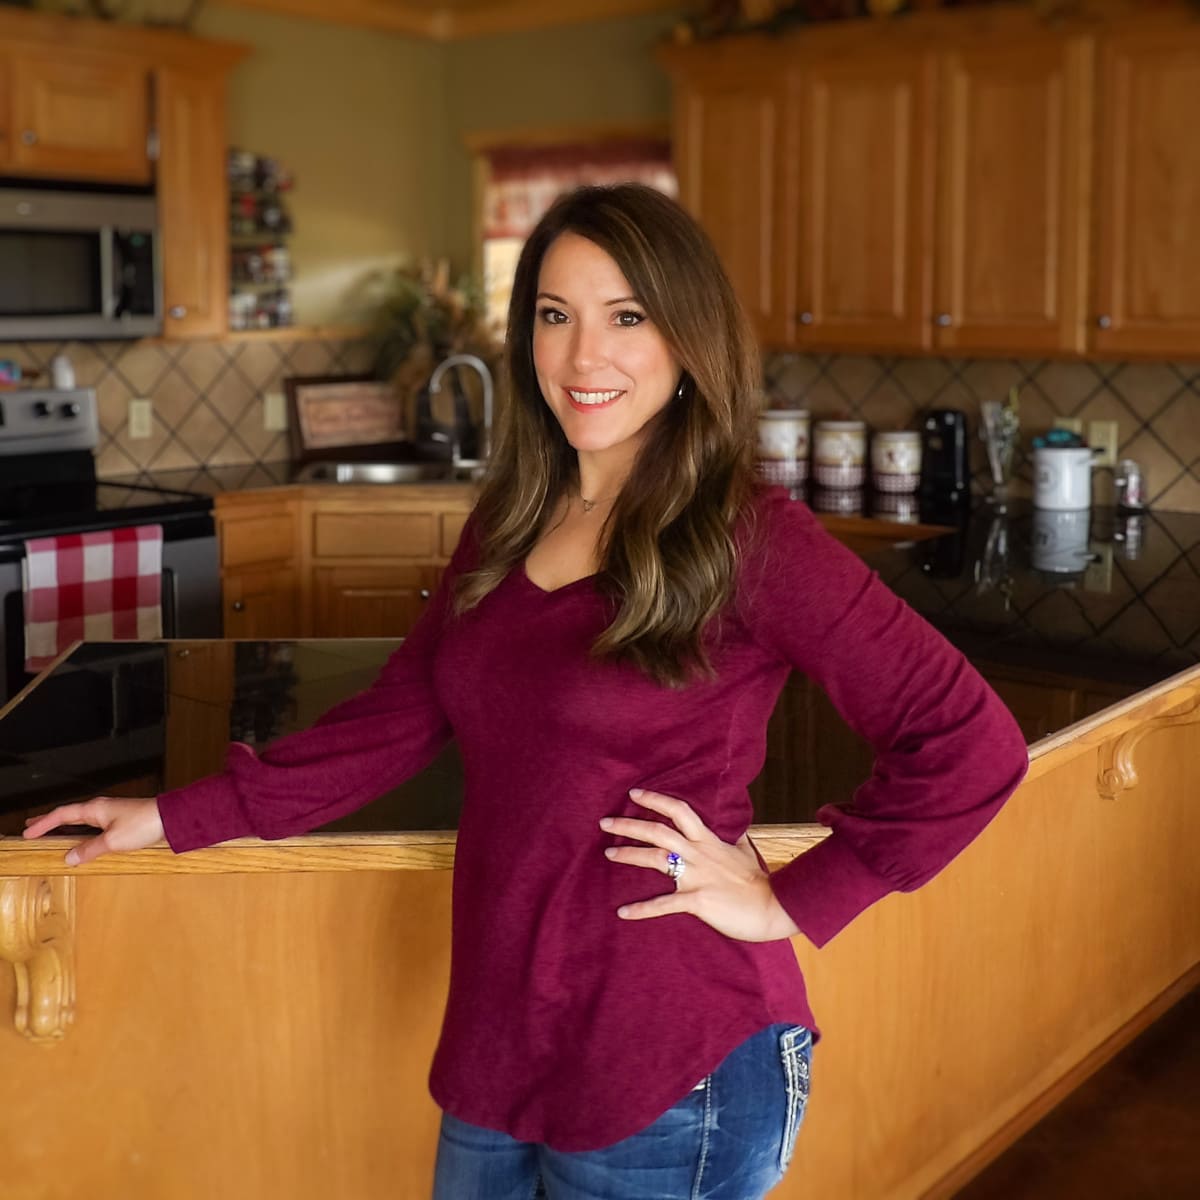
565 1024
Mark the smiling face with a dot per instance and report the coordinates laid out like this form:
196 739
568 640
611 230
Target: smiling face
603 368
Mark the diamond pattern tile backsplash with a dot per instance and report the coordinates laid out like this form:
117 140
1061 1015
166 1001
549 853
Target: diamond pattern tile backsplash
1156 407
208 401
207 396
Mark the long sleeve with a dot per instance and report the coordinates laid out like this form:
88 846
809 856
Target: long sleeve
948 753
355 752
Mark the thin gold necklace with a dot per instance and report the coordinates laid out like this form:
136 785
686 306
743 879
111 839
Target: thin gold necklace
588 505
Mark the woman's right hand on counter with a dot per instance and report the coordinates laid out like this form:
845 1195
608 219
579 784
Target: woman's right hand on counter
127 825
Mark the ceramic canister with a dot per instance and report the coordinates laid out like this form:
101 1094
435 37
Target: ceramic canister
847 502
783 446
896 461
1062 477
839 453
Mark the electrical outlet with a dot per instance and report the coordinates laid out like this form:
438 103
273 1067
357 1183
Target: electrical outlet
1103 434
275 416
1074 424
141 417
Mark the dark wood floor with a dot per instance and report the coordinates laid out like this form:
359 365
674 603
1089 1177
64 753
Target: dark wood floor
1131 1132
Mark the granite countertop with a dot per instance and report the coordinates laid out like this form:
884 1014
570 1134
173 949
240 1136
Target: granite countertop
1127 622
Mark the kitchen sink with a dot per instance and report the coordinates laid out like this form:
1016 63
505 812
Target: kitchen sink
383 472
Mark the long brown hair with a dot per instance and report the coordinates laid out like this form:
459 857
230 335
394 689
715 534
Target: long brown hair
669 558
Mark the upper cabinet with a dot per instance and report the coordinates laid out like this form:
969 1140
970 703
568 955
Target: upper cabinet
95 102
727 142
857 193
1147 288
941 186
76 114
193 203
1015 136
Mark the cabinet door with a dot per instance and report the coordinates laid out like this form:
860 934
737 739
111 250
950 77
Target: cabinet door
79 115
1147 298
370 601
1039 708
193 204
1013 217
859 200
6 132
262 603
727 156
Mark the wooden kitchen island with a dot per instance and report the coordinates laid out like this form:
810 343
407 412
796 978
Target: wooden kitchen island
257 1020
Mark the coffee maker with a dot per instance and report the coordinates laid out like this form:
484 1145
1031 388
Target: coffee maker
945 475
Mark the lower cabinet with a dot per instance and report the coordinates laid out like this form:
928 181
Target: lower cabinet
369 601
334 562
261 603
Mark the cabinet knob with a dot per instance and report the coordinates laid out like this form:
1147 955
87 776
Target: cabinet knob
184 653
944 320
1104 321
177 311
425 593
29 137
806 318
238 606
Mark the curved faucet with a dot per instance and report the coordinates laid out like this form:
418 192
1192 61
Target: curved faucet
435 386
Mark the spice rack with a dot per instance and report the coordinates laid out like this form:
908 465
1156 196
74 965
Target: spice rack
260 267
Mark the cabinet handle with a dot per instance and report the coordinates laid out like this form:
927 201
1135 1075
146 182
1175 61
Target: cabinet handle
944 320
184 653
425 593
177 312
806 318
1104 322
29 137
238 606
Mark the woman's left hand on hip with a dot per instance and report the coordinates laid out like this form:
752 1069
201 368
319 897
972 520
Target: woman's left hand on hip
723 884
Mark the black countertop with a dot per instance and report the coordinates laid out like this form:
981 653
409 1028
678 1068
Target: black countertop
109 718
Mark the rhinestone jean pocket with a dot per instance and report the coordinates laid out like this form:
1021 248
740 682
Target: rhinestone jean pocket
795 1051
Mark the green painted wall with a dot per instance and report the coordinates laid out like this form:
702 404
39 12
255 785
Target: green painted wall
359 117
600 71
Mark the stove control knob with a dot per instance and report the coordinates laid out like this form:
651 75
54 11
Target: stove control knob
41 408
70 409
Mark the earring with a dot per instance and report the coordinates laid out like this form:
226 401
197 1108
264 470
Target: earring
679 390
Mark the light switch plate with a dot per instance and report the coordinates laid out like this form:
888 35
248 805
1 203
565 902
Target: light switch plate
275 418
141 417
1105 435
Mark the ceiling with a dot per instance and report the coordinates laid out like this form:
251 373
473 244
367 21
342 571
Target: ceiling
445 20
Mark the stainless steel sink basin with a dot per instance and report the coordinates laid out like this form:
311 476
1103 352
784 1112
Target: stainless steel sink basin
381 472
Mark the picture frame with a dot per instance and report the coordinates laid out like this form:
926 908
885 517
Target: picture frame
345 418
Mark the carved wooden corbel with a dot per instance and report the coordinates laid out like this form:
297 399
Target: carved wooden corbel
37 935
1117 772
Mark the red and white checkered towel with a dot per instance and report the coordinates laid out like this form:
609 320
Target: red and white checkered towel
96 586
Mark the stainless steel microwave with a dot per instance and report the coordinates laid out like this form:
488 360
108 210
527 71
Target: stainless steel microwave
77 264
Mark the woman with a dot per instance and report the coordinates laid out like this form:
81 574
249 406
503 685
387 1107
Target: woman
626 1017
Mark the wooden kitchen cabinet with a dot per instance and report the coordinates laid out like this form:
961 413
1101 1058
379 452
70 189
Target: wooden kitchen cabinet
85 100
78 114
728 131
1147 293
335 561
1062 218
369 601
1012 223
193 203
858 194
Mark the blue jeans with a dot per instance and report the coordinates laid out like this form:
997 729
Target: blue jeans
730 1139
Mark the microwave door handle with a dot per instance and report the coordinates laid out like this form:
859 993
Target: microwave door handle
109 287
